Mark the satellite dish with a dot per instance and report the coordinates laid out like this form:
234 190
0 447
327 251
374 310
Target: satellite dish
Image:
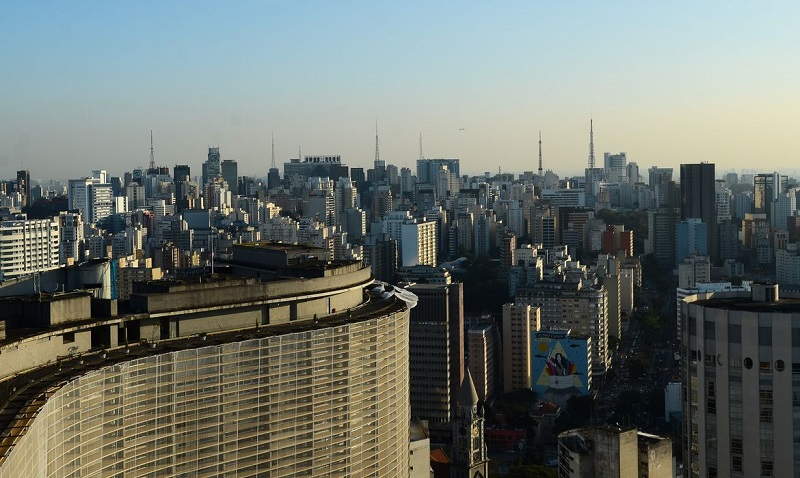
51 287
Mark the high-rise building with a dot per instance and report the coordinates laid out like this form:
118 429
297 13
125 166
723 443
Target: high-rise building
766 188
418 244
691 239
615 166
519 321
93 197
428 169
483 353
698 199
660 179
212 167
740 389
29 246
228 376
24 187
229 170
437 351
578 306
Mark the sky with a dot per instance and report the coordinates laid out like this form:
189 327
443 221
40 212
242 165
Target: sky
84 82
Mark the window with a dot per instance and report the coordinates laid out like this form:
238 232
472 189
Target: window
748 363
69 337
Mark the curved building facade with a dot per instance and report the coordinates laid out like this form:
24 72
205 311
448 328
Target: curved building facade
741 383
318 392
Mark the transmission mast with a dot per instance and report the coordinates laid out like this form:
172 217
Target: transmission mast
591 144
152 154
541 171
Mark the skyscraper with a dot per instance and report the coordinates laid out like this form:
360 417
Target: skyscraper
24 187
212 168
698 199
229 170
436 344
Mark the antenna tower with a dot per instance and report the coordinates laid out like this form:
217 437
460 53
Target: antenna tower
152 155
273 150
591 143
421 156
541 171
377 151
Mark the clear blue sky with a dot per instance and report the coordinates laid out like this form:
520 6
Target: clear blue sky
84 82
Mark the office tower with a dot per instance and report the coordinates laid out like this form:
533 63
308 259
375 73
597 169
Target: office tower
249 387
691 239
24 187
229 171
519 321
28 246
328 166
92 196
381 251
615 166
181 173
212 167
407 184
698 199
659 180
469 447
612 452
428 169
483 349
739 373
766 188
436 340
381 203
661 235
787 265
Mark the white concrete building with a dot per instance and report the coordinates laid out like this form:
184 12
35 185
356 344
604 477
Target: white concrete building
28 246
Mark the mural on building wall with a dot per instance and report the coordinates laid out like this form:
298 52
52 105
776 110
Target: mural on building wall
560 363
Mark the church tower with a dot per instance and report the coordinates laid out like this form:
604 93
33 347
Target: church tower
469 448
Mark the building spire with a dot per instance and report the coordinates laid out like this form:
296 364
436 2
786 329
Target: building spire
152 154
541 171
591 143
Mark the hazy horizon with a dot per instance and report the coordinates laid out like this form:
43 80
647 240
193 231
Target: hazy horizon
666 83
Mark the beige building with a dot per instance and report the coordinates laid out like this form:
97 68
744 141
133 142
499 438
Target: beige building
576 305
135 270
741 393
611 452
224 376
483 352
518 323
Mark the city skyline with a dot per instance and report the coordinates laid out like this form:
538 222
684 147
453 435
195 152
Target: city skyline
668 86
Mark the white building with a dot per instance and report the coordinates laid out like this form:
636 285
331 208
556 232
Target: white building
28 246
787 265
92 196
418 244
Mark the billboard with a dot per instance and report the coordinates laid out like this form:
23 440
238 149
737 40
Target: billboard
560 365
